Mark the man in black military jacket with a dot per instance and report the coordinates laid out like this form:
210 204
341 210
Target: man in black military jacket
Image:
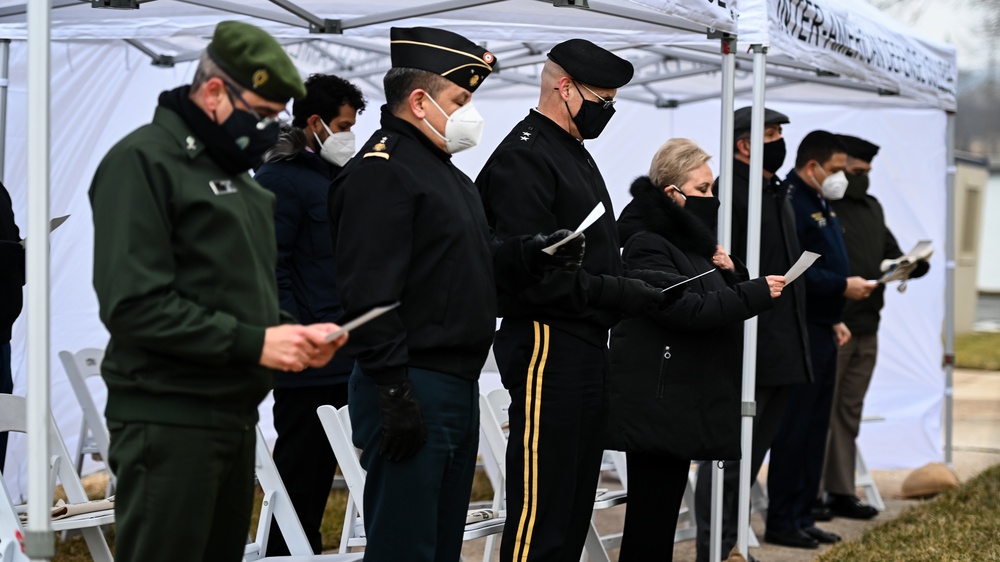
11 280
408 226
552 346
782 340
868 242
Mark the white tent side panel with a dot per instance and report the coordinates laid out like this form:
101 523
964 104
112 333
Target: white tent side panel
104 90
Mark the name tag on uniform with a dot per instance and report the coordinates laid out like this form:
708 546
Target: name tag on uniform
222 187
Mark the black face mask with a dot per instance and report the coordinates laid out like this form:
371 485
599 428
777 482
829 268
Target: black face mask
857 185
774 155
251 140
705 208
592 117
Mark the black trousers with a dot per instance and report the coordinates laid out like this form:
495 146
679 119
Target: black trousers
771 402
558 412
799 448
304 457
6 387
651 513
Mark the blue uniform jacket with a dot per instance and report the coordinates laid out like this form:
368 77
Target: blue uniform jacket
819 231
306 270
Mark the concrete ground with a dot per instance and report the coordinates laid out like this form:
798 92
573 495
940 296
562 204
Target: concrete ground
976 447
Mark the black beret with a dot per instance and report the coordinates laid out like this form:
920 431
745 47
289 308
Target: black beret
858 148
593 65
741 118
256 61
441 52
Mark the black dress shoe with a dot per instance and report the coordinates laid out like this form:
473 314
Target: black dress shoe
795 539
819 535
850 506
821 513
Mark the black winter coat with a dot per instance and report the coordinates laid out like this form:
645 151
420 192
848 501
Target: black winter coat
11 267
675 374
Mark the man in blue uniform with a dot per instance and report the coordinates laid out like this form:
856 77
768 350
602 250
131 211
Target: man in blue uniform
298 170
797 451
408 226
552 348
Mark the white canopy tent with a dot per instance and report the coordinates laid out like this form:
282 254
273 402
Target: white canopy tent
103 86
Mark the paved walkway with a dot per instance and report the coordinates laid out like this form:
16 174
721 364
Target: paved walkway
976 447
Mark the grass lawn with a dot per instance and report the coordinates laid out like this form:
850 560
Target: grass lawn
978 350
963 524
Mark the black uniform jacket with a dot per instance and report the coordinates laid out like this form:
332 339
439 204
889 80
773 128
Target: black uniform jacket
868 242
540 179
782 341
306 271
408 226
675 374
11 267
819 231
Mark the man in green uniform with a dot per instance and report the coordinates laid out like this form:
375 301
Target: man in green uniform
184 258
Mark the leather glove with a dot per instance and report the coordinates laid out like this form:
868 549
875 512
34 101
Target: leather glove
661 280
569 256
630 297
403 430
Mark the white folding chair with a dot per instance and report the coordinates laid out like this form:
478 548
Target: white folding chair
277 505
493 419
862 476
13 417
94 438
337 425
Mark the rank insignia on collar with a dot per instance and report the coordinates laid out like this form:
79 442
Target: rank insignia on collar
819 218
222 187
191 143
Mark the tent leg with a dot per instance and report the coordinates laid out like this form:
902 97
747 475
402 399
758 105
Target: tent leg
949 290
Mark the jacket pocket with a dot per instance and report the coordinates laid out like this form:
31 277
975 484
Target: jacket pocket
661 381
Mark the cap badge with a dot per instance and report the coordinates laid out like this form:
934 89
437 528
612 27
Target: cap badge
474 80
259 78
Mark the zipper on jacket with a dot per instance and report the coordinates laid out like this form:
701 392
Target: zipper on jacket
662 382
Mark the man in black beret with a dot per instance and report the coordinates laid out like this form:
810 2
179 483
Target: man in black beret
868 242
782 338
407 226
184 260
552 346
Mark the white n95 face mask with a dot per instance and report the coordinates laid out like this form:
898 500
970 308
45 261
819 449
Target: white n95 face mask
463 130
338 148
834 186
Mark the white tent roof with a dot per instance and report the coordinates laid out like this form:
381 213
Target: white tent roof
853 39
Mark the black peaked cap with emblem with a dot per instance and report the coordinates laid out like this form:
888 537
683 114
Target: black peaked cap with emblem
441 52
741 118
858 148
256 61
593 65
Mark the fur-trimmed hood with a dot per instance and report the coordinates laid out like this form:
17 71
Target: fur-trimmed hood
651 210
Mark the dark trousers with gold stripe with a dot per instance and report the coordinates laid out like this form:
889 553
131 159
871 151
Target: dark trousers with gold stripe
557 414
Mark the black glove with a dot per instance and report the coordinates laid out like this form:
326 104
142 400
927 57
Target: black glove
630 297
403 430
569 256
661 280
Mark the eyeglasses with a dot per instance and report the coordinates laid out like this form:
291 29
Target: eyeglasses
282 118
608 102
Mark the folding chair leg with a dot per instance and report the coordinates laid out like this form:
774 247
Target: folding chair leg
593 549
864 480
98 547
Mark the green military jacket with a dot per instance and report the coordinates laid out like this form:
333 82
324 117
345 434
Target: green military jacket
184 258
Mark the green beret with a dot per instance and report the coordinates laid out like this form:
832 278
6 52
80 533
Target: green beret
256 61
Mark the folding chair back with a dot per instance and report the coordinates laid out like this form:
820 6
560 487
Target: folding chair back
277 505
94 439
337 425
13 417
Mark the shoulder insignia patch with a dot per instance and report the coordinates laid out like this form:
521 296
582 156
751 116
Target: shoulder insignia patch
380 146
526 134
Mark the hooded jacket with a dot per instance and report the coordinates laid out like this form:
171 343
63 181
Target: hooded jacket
675 373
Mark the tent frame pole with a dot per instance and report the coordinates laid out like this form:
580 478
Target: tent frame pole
949 289
756 196
39 540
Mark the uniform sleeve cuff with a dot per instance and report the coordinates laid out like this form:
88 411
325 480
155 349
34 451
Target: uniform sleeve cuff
248 345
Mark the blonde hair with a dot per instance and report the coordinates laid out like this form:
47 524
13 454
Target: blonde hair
675 160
